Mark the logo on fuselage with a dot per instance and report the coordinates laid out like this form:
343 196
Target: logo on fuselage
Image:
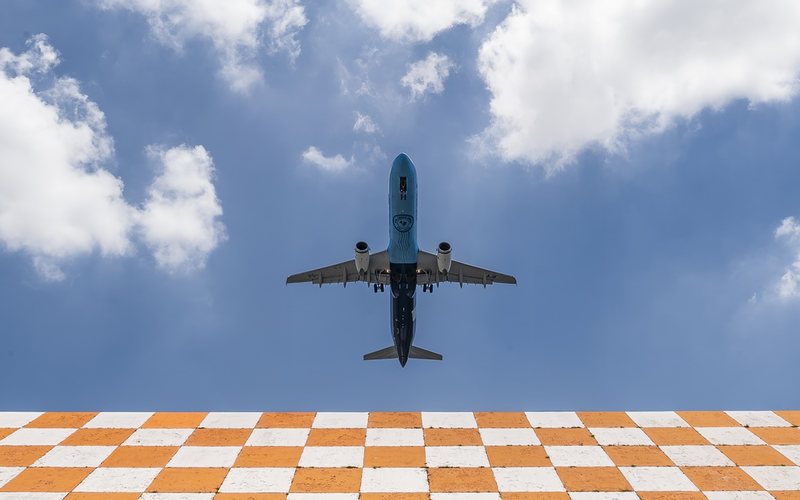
403 222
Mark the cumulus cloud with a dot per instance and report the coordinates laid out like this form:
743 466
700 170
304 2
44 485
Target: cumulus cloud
365 124
427 75
789 285
567 75
180 219
236 28
419 20
337 163
56 200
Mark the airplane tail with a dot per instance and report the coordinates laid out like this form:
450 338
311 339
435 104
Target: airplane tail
391 353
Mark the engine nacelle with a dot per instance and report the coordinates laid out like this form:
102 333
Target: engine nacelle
443 255
362 257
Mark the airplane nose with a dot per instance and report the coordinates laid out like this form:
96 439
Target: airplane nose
402 163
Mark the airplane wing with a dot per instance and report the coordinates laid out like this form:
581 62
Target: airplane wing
463 274
345 272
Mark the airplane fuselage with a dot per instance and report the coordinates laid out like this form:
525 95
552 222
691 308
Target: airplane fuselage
403 250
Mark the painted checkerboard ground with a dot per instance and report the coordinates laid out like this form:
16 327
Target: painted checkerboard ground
470 456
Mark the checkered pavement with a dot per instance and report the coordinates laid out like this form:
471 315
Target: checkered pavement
471 456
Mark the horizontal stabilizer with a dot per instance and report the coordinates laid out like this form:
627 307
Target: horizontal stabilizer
385 353
419 353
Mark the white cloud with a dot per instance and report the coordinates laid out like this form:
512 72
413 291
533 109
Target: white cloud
365 124
180 219
236 28
789 285
567 75
427 75
336 163
419 20
56 200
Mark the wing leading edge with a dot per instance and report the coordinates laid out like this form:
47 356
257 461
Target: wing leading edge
463 274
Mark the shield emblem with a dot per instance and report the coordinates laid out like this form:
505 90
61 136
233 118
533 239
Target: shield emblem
403 222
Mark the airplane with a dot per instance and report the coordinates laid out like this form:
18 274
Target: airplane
402 266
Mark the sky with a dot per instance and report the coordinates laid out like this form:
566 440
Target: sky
164 165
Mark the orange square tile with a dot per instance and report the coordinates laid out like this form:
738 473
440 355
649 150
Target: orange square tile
461 479
777 435
670 495
102 496
174 420
708 419
720 479
394 456
337 437
393 496
140 456
62 420
250 496
21 456
6 432
97 437
398 420
593 479
286 420
786 495
565 437
326 480
605 419
54 479
534 496
637 456
218 437
502 419
754 455
518 456
673 436
269 456
452 437
791 416
188 480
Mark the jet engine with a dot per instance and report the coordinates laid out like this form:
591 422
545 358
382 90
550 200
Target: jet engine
362 257
443 254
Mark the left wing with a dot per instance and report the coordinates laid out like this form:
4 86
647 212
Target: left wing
428 273
345 272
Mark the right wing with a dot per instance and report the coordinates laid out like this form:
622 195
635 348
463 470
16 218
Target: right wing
463 274
345 272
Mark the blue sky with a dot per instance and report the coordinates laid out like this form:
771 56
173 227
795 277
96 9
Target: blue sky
648 230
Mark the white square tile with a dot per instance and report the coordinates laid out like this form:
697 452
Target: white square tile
657 479
32 496
332 456
205 456
553 419
792 452
395 437
75 456
511 479
456 456
278 437
118 479
9 473
258 480
729 435
506 437
14 419
230 420
36 437
389 480
465 496
657 419
738 495
776 478
177 496
158 437
118 420
696 456
603 495
625 436
578 456
322 496
340 420
448 420
758 418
